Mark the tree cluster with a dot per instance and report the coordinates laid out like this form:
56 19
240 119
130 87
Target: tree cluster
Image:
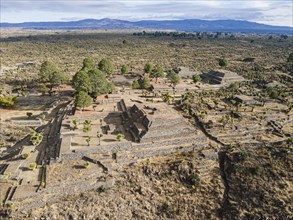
173 77
49 74
157 72
143 83
197 35
90 81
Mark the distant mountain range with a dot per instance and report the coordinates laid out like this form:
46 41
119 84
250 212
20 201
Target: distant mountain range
190 25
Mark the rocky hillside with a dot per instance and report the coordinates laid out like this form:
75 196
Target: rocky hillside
244 182
258 182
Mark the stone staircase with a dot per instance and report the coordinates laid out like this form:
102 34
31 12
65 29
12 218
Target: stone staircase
207 165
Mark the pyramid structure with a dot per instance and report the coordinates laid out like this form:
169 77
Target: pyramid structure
223 77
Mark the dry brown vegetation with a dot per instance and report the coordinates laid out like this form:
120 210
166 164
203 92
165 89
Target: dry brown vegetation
162 187
256 186
243 180
67 50
258 182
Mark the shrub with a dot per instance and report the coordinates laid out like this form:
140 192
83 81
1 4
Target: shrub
195 179
7 101
173 77
86 165
5 176
43 89
88 140
223 62
88 63
273 93
256 170
32 166
25 155
241 156
10 204
120 136
196 78
145 84
106 66
148 67
29 114
43 184
87 125
75 123
124 69
135 84
82 100
36 138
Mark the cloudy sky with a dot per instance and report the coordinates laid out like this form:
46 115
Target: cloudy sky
275 12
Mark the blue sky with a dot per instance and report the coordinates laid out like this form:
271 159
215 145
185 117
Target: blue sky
275 12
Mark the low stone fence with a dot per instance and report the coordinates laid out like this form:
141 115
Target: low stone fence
166 135
78 154
172 142
36 122
166 122
113 148
164 151
128 157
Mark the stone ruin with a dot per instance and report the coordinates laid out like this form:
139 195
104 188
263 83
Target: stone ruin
154 123
223 77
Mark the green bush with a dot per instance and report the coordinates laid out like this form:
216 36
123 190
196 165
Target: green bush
124 69
82 100
32 166
43 89
241 156
7 101
148 67
196 78
25 155
36 138
145 84
256 170
195 179
29 114
86 165
120 136
223 62
135 84
106 66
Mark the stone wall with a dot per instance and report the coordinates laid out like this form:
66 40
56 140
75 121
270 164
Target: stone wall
146 122
122 106
37 122
128 146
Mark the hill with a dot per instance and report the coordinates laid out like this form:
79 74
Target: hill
190 25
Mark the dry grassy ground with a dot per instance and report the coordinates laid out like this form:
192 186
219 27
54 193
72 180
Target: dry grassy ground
247 182
67 50
259 182
159 188
257 185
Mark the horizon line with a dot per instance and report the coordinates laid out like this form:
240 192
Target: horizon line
171 19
